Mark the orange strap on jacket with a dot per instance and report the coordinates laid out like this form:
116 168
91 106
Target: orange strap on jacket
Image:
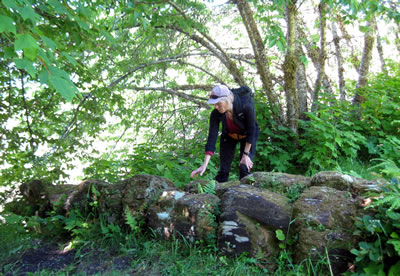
236 136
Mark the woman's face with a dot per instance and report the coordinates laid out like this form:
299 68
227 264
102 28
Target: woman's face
221 106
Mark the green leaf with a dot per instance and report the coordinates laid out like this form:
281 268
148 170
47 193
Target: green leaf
58 7
11 4
375 269
30 53
44 77
393 215
374 255
272 43
280 45
109 37
84 25
394 269
7 24
28 13
70 59
365 29
315 38
63 87
26 65
9 52
364 245
280 235
44 57
52 45
25 41
304 60
54 71
396 245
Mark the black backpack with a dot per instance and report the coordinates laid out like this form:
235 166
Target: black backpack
242 95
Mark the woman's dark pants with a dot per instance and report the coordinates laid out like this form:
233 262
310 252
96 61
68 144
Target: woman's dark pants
227 152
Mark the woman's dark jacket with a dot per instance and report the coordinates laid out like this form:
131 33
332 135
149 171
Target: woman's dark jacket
248 125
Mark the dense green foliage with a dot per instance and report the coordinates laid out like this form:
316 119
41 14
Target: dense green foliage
379 249
115 89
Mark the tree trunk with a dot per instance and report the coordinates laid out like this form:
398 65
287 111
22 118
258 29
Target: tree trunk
322 8
380 50
354 57
339 58
366 58
290 67
303 88
397 41
261 60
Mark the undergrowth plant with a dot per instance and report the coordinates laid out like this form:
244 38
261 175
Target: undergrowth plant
14 237
378 252
329 135
208 188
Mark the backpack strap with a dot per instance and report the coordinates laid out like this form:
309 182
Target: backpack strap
241 95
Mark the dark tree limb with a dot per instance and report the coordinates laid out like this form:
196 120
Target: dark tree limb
322 8
290 68
203 70
261 59
380 50
339 59
209 43
27 112
197 100
369 39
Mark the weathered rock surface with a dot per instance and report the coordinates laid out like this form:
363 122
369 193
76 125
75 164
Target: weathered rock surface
193 186
178 213
275 180
325 221
91 190
250 212
344 182
221 188
44 196
249 219
139 191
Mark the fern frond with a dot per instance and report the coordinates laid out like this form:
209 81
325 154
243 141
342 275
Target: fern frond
131 220
209 188
390 200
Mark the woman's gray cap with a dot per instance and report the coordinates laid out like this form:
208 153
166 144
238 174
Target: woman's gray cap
218 93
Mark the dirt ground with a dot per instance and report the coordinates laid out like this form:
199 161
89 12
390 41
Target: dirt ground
51 258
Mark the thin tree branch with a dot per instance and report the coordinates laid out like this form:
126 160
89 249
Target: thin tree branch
207 42
163 124
339 59
261 59
141 66
195 99
203 70
27 115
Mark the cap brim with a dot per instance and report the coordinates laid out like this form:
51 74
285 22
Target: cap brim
213 101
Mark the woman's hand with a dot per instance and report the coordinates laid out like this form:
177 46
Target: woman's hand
247 162
200 170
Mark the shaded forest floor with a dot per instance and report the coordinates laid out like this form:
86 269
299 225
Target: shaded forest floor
46 257
147 257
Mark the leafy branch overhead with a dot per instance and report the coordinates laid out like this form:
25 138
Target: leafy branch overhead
88 82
